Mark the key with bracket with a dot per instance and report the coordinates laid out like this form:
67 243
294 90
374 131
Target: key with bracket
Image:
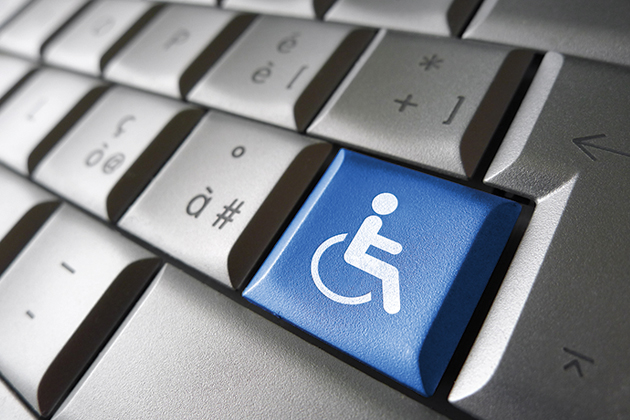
433 102
115 149
220 200
281 70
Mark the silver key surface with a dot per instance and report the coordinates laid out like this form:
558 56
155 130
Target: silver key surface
91 40
176 49
555 343
26 33
113 151
438 17
187 352
219 201
597 30
310 9
8 8
281 70
34 118
11 407
56 303
23 209
12 70
433 102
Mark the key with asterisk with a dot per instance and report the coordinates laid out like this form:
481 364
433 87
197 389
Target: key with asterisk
431 62
221 199
438 102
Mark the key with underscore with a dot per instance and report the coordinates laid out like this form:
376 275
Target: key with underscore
308 9
61 299
115 149
386 264
220 200
281 70
555 342
434 102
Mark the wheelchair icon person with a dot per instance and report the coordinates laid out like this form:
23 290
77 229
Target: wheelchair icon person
356 255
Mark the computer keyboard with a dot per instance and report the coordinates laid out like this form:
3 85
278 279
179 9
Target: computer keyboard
314 209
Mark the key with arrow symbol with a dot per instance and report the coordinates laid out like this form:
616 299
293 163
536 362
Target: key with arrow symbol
581 142
575 362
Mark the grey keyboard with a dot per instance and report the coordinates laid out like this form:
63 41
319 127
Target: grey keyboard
170 172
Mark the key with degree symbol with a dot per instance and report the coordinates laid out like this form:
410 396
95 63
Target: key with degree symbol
220 200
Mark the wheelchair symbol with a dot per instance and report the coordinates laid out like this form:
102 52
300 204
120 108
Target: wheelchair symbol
356 255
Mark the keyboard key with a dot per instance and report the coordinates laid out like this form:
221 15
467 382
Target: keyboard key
554 344
12 70
113 152
222 198
8 8
386 264
177 48
40 112
188 352
90 41
592 30
61 299
26 34
11 407
310 9
281 70
433 102
438 17
22 215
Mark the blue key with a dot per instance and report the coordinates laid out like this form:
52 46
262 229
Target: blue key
386 264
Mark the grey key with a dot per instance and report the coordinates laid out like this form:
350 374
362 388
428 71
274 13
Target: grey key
60 300
23 211
97 34
597 30
438 17
187 352
222 197
434 102
555 343
115 149
310 9
35 117
11 407
8 8
177 48
12 70
26 34
281 70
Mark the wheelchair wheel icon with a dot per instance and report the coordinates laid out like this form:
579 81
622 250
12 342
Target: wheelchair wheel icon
356 255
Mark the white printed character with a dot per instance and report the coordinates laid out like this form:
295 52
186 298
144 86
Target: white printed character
367 235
